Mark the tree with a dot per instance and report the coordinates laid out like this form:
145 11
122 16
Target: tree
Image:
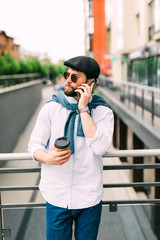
10 66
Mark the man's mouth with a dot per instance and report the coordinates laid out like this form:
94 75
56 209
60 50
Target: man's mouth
68 86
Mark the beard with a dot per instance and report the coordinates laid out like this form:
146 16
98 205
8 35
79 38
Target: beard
70 92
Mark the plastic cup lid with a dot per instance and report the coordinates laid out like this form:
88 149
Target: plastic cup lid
62 142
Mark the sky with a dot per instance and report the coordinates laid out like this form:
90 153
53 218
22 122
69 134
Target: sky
53 28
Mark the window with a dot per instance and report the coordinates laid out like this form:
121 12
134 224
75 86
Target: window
90 8
157 15
109 39
137 24
151 13
150 20
90 42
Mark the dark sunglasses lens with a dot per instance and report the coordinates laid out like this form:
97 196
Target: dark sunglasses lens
66 75
74 78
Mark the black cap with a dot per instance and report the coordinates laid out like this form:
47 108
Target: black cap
84 64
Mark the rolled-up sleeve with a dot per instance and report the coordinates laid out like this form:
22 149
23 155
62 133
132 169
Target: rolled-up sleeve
41 132
104 120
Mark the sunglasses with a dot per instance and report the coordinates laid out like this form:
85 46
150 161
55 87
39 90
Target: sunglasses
74 78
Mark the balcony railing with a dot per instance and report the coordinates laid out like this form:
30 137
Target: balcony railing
144 97
111 203
9 80
144 100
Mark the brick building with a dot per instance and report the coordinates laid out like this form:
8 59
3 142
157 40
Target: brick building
7 45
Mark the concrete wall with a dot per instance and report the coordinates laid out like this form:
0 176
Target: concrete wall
17 105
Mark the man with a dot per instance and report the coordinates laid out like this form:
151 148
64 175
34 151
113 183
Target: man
71 180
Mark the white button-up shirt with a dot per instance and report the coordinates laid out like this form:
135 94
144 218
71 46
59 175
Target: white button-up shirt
77 183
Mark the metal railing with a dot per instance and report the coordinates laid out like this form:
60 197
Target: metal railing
110 154
145 97
9 80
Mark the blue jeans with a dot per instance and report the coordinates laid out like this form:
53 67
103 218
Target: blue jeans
60 220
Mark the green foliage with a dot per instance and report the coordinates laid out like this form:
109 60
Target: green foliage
53 72
25 67
10 66
61 68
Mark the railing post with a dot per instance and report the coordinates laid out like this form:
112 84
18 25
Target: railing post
135 98
142 103
129 99
122 93
138 173
152 106
4 233
123 137
1 226
156 208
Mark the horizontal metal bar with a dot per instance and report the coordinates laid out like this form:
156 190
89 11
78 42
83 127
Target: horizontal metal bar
31 205
114 153
19 205
19 170
15 156
131 166
18 76
145 201
18 188
113 185
139 86
106 167
137 184
133 153
129 84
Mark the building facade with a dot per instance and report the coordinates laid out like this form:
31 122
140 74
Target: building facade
96 34
135 35
130 39
7 45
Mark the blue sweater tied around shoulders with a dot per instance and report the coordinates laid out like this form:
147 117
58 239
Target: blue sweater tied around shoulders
69 125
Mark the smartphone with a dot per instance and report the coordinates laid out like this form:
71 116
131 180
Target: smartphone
89 83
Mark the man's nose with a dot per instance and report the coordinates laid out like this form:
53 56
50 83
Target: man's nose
69 79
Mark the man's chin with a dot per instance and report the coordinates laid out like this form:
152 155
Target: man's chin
70 94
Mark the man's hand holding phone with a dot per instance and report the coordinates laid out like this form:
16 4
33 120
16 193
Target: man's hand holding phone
84 93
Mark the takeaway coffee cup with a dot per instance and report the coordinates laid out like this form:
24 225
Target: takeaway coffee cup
62 143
